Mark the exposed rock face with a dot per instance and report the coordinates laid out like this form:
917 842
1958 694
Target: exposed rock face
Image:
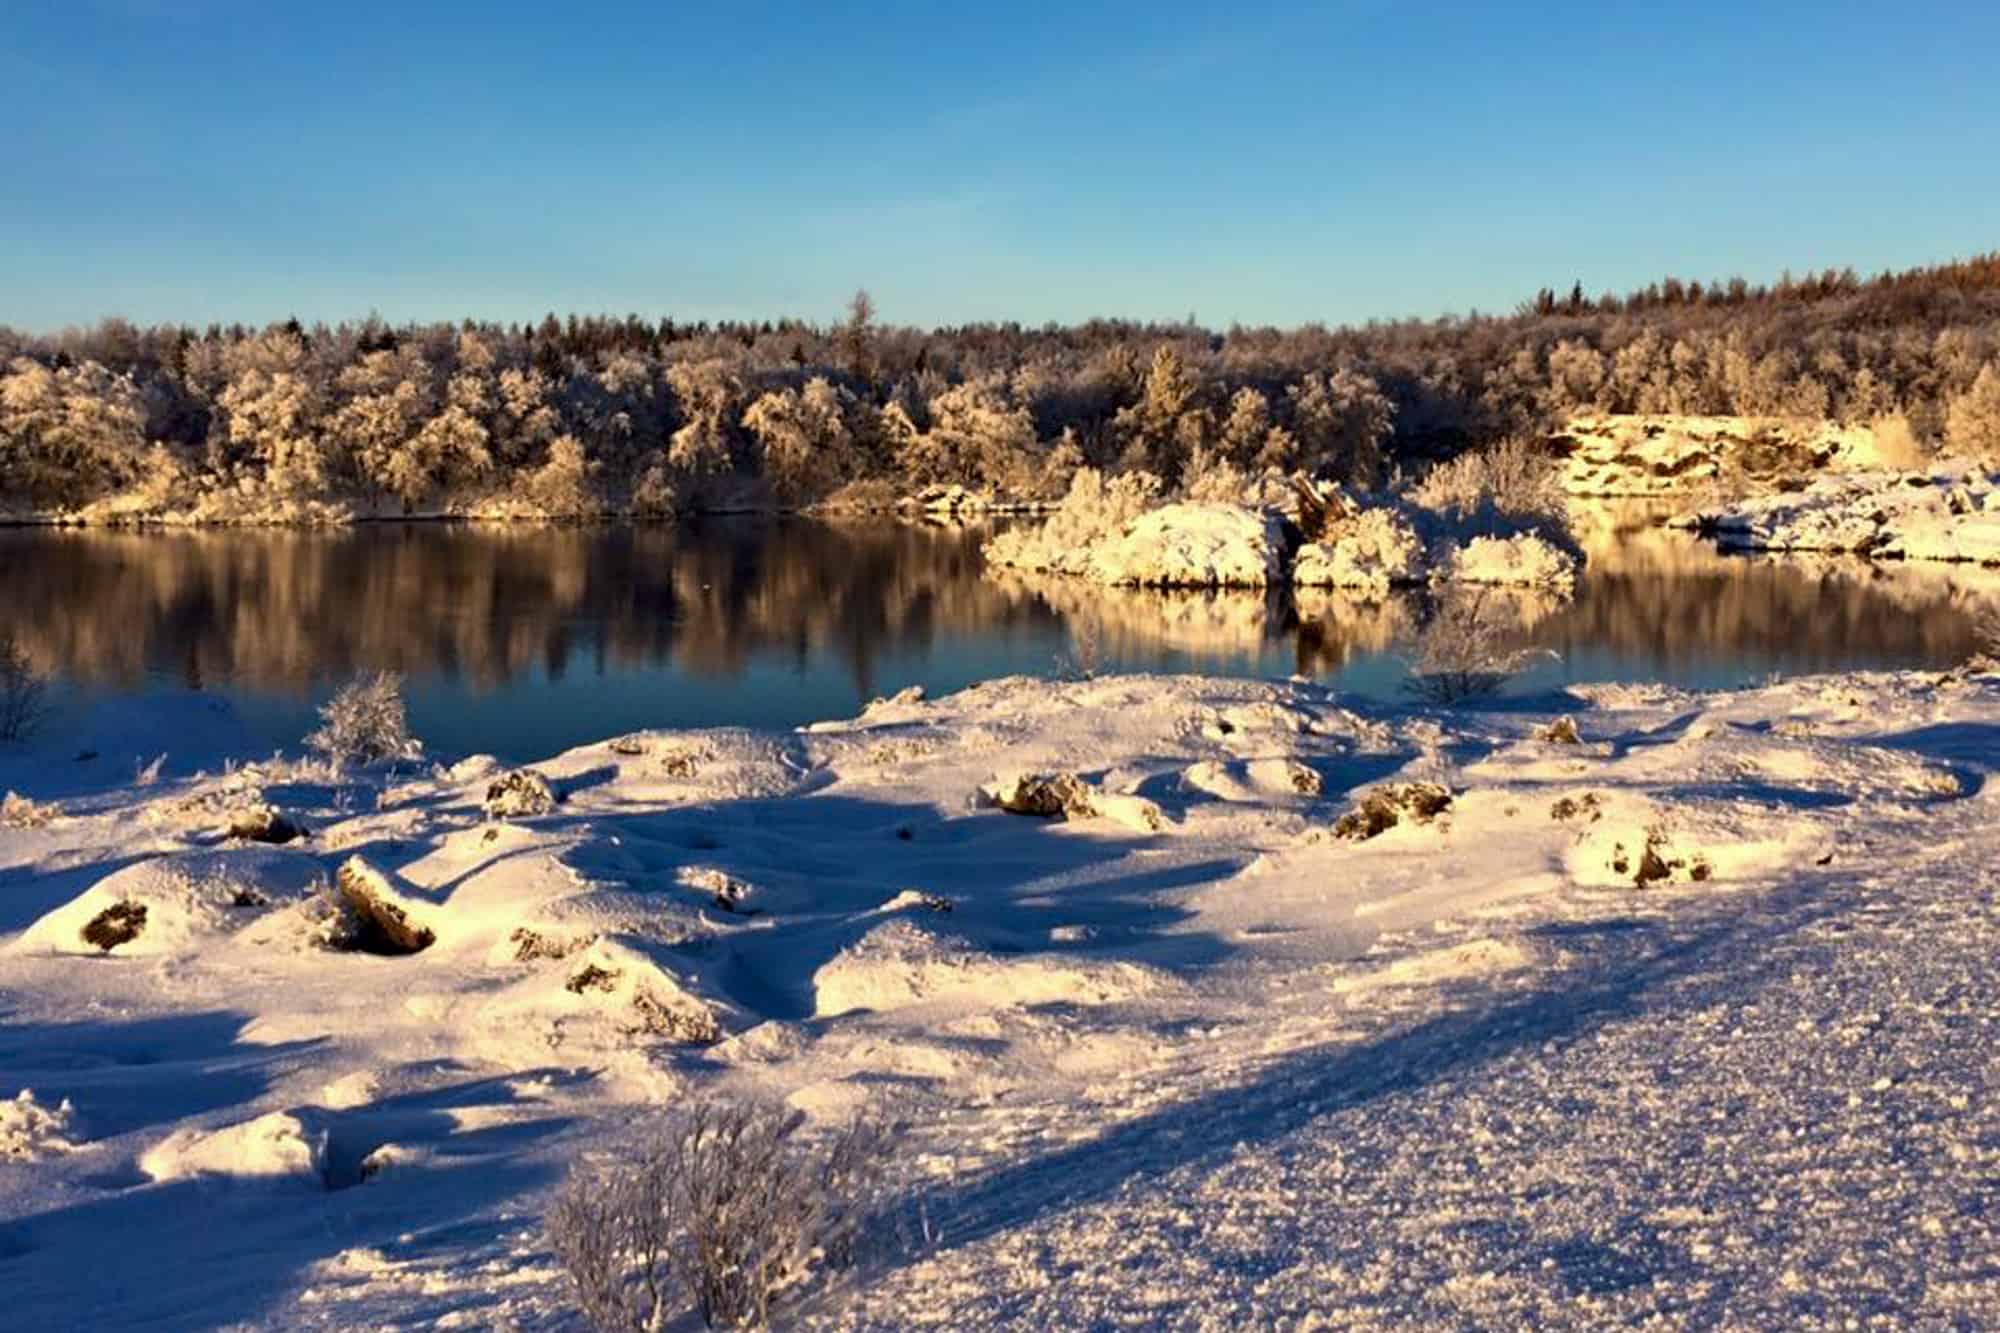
381 919
1047 795
1385 807
120 923
1674 456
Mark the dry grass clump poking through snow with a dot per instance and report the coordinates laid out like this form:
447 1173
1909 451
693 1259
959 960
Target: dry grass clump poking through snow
727 1208
18 811
365 723
23 692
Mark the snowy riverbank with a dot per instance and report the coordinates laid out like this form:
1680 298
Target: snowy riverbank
1303 933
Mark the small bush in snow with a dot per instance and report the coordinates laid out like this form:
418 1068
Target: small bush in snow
17 811
726 1208
1466 651
365 722
23 692
1516 477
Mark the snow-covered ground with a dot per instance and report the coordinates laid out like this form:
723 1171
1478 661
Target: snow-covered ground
1304 1016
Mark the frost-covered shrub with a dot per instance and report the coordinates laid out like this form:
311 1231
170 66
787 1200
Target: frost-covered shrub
1515 478
365 722
1468 650
1972 421
23 692
726 1207
1373 551
18 811
1094 508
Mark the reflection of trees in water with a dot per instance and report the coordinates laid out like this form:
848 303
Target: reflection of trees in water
284 609
1664 596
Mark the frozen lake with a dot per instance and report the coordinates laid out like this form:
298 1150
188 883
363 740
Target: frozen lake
522 641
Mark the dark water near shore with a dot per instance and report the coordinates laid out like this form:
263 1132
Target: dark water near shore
525 640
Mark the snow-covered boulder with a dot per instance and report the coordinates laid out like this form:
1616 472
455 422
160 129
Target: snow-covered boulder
520 793
173 904
1949 513
603 996
275 1146
1374 551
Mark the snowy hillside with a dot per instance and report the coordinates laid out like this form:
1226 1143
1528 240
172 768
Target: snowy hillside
1279 1013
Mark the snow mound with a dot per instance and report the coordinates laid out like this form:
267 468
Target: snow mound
604 995
283 1144
1194 546
1527 561
1374 551
1253 781
29 1130
174 904
1625 841
904 962
1473 960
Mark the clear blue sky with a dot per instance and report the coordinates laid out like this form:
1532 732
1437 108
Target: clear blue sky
241 159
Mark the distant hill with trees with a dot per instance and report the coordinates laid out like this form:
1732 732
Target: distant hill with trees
589 415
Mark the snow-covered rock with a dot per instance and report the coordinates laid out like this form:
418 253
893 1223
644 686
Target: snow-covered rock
1948 513
174 903
1671 455
283 1144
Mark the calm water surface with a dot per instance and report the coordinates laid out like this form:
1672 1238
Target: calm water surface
523 641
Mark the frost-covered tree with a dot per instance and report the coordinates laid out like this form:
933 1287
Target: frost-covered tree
977 436
562 486
1972 421
271 414
1341 421
68 436
709 395
1162 431
808 445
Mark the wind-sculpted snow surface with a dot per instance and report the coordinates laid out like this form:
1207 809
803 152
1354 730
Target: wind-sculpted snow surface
1678 1012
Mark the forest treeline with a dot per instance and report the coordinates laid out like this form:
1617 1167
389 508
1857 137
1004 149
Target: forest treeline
593 415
